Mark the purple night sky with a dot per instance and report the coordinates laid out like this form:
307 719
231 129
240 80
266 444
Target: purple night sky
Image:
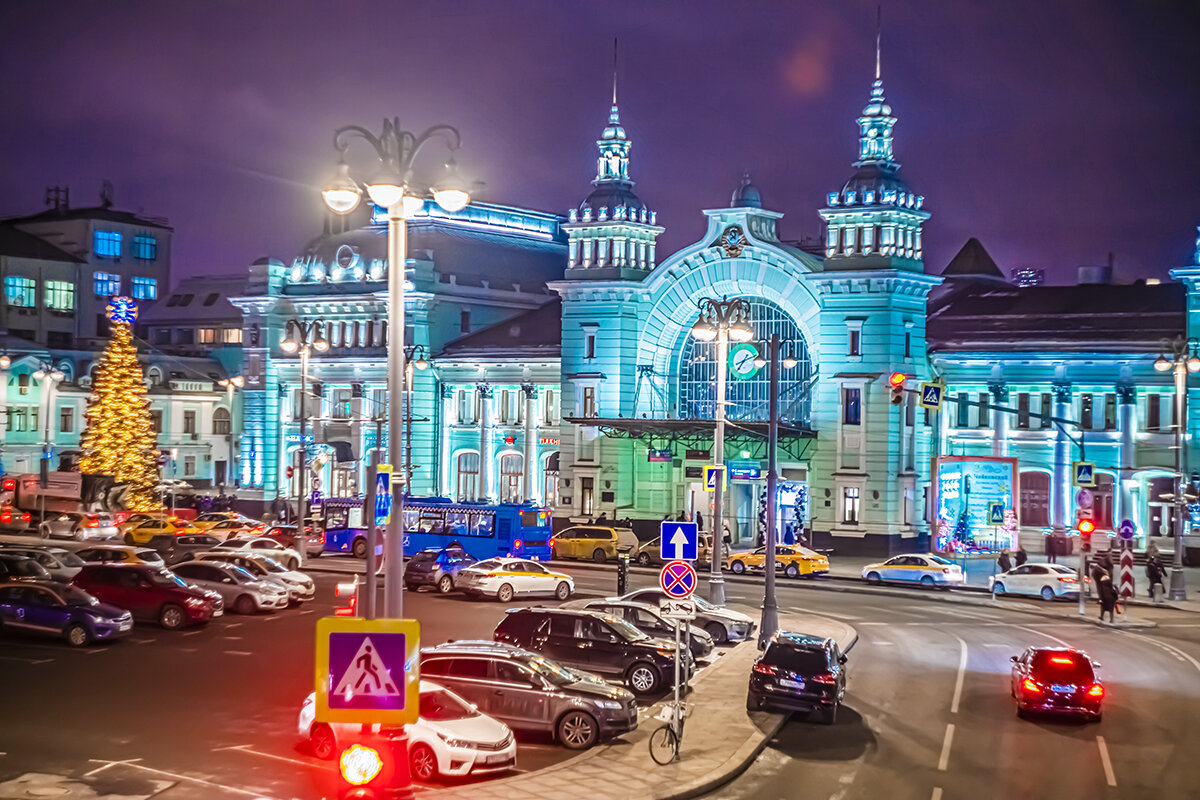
1054 132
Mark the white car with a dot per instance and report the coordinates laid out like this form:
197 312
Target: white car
61 563
925 569
263 546
240 590
1049 581
450 738
300 587
505 578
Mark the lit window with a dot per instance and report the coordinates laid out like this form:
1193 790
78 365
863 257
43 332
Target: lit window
67 420
106 284
107 244
851 406
850 500
20 291
60 295
232 336
145 288
589 401
145 248
206 336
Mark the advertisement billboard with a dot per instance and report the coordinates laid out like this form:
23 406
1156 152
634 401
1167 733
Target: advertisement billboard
973 494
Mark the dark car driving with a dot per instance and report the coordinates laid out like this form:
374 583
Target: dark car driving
1057 680
798 672
437 568
60 610
595 642
183 547
530 692
150 593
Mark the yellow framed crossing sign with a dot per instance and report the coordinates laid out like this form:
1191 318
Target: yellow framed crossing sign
367 670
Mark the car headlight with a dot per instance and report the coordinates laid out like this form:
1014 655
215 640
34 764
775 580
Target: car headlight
195 602
662 651
608 704
452 742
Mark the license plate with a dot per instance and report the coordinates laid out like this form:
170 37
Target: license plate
1059 687
500 758
126 626
791 684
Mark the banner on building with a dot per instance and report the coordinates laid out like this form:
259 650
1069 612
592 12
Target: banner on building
968 489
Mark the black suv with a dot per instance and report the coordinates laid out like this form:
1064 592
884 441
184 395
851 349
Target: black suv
530 692
798 672
595 642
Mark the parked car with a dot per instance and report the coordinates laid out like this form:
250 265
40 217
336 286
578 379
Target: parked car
231 528
450 738
149 593
79 526
722 624
792 560
436 568
704 549
926 569
175 549
595 642
1048 581
1057 680
61 563
286 536
798 672
210 519
593 542
649 621
61 610
14 520
300 587
239 590
16 567
263 545
120 554
528 691
142 532
505 578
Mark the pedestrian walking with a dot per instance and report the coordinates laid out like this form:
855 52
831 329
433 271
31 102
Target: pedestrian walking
699 521
1108 596
1052 549
1004 563
789 534
1022 556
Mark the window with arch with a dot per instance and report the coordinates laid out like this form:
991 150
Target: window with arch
550 481
467 487
1035 499
512 473
222 422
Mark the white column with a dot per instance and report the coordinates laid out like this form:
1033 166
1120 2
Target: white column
532 490
1126 427
999 419
486 490
444 455
1060 481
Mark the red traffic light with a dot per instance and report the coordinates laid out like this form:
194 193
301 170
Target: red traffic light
291 471
360 765
897 378
1086 526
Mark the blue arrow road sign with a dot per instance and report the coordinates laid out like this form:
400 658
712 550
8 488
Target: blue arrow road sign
677 541
1126 530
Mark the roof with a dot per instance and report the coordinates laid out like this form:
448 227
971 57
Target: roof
16 243
103 213
203 296
533 333
1093 317
972 261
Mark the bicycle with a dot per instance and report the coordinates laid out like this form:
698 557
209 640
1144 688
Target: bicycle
665 741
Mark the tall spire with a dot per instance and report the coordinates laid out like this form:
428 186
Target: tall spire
875 139
614 72
878 37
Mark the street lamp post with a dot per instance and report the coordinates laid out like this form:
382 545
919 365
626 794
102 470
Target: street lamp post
303 337
390 188
720 320
230 384
49 377
1183 359
5 363
414 357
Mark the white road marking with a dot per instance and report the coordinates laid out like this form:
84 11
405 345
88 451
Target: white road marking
232 638
1104 759
874 623
1175 651
233 624
962 670
27 660
997 644
107 764
1043 633
245 748
945 757
309 611
883 644
178 777
937 793
93 651
238 653
193 633
141 641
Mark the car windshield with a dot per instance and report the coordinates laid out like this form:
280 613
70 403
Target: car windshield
704 604
241 573
1058 667
441 706
165 578
940 560
626 631
424 557
272 565
487 566
804 660
68 558
77 597
555 673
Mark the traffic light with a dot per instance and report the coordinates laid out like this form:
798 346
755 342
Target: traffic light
359 766
291 471
376 769
1086 526
896 381
349 590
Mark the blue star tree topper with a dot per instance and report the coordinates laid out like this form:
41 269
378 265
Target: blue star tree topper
122 309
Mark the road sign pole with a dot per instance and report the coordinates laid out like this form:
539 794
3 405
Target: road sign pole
769 622
372 536
716 580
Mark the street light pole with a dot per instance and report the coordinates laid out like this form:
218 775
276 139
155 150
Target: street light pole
393 543
49 378
769 623
302 499
1184 359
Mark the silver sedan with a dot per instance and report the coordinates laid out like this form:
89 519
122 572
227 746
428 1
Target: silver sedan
240 590
300 587
61 563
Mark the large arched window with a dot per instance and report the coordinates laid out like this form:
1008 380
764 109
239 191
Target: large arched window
512 469
747 385
222 422
550 481
1035 499
468 476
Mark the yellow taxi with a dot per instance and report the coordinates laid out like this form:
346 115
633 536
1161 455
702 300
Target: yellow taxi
793 560
211 519
140 531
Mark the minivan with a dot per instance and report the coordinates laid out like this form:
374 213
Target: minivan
594 542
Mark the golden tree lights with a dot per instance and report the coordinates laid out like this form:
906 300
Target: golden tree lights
119 436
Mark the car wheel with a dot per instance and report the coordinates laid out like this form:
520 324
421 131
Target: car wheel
1099 715
359 549
188 557
717 631
642 678
577 730
129 539
562 591
999 588
738 567
245 605
445 584
78 636
171 617
1021 713
321 741
643 559
792 571
753 703
504 593
423 762
927 581
77 534
44 531
874 579
598 556
292 564
1047 593
828 716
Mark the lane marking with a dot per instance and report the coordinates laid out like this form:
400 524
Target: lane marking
996 644
232 638
1175 651
93 651
234 624
178 777
962 671
238 653
193 633
302 613
1043 633
945 758
937 793
27 660
141 641
874 623
1104 759
883 644
245 748
131 762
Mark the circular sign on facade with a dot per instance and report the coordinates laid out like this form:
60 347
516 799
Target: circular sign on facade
1084 498
678 579
1126 530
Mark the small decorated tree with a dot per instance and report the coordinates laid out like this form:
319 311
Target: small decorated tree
119 437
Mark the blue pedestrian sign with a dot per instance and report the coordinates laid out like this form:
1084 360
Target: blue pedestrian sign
931 396
995 513
710 478
677 541
383 494
1083 473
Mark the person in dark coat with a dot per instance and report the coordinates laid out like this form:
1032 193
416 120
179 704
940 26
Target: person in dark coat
1052 549
1004 563
1154 573
1022 556
699 521
1108 596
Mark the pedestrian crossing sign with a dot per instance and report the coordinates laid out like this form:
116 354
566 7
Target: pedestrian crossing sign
367 670
995 513
710 478
931 396
383 494
1083 473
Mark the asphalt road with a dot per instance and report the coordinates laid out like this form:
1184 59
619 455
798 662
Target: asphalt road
212 713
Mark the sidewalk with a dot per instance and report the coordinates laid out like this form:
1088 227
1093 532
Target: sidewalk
720 739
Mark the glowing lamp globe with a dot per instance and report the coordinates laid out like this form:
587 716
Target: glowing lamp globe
342 194
122 309
451 200
359 765
897 378
1086 526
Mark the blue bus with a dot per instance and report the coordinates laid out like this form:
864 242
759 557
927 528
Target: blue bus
485 530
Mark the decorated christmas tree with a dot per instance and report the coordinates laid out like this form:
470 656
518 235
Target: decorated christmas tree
119 437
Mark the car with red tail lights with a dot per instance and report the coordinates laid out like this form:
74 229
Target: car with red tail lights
1057 680
798 672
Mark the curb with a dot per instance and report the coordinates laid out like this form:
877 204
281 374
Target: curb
735 765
